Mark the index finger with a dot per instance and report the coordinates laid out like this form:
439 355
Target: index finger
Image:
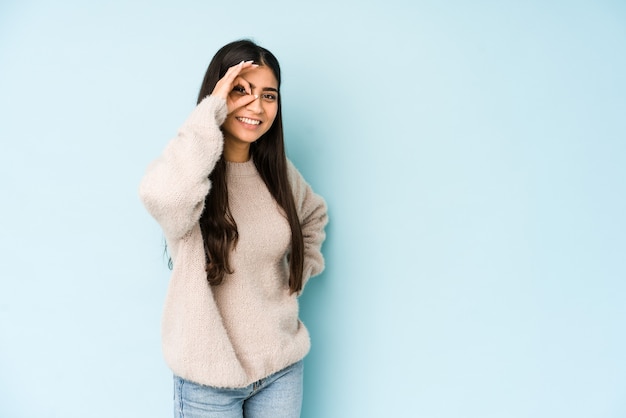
240 81
234 71
225 85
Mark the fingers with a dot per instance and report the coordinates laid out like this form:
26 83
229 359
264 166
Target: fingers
225 85
237 102
241 95
242 82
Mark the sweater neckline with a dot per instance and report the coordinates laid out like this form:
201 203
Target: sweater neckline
244 169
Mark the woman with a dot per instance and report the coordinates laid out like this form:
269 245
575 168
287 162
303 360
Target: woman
244 231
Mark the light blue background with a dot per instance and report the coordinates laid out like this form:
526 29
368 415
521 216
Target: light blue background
473 155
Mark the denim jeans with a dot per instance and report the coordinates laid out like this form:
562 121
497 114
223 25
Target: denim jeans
279 395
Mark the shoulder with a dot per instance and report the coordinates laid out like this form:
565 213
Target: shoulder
303 194
295 177
292 171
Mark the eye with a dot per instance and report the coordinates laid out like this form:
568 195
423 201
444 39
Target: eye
239 89
269 97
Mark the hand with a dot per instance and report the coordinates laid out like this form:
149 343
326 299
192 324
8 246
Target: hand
234 88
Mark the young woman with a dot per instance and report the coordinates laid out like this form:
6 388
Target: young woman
244 231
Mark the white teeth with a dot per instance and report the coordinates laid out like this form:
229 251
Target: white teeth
249 121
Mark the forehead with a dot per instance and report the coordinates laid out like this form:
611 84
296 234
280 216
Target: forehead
261 76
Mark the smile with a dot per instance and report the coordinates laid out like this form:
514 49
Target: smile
249 121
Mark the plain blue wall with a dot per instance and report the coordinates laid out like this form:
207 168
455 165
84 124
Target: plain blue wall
473 155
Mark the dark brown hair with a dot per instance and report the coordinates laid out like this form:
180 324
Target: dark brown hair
219 230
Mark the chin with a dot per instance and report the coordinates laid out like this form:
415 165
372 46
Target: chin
248 137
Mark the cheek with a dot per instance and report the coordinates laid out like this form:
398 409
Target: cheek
271 114
228 123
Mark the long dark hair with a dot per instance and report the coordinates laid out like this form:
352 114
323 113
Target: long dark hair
219 230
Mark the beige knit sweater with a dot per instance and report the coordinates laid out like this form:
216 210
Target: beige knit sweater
236 333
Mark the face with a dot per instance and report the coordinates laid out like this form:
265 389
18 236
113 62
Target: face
248 123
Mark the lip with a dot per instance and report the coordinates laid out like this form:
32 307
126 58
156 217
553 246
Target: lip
251 126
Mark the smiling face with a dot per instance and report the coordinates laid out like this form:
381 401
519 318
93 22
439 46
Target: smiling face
248 123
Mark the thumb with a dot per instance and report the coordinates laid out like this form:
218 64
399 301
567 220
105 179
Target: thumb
241 101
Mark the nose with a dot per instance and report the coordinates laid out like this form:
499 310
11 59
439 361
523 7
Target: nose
255 105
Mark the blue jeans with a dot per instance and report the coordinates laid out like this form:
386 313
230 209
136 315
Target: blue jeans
277 396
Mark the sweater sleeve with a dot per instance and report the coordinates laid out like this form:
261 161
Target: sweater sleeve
313 216
175 185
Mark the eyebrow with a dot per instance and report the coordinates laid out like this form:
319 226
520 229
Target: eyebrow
264 88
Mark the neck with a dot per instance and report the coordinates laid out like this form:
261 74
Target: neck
236 152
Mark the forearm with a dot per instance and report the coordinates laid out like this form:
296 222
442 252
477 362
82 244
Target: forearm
176 184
